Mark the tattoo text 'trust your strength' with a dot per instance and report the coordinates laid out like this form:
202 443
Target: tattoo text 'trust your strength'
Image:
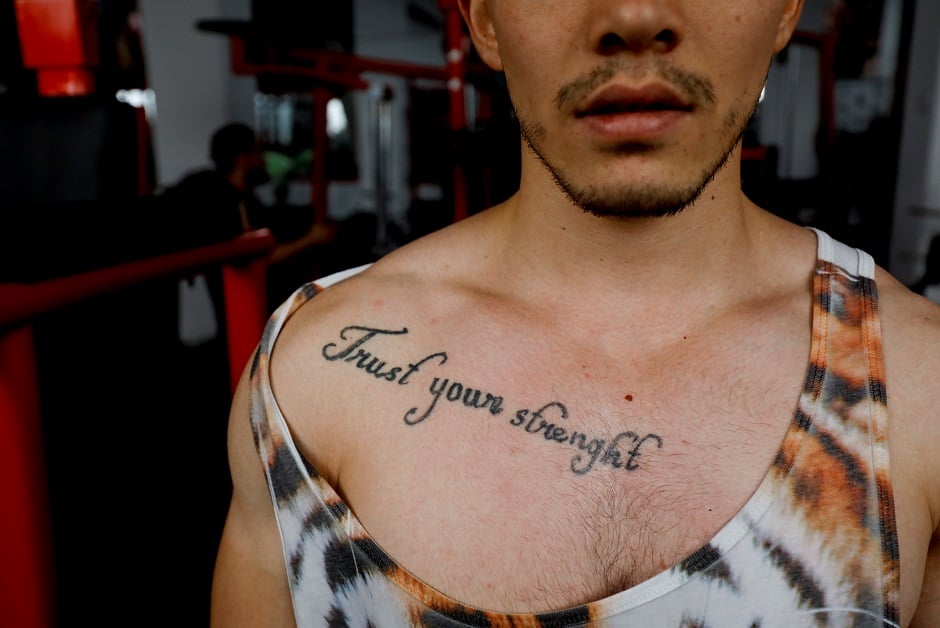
619 452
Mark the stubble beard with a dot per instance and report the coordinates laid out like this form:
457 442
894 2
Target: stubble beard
640 200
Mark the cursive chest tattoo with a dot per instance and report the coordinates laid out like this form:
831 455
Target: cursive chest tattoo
550 422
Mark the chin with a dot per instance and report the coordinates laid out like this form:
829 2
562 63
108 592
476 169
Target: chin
636 204
645 198
653 195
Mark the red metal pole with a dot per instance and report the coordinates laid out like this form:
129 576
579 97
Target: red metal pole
25 535
456 86
246 311
27 583
144 183
19 302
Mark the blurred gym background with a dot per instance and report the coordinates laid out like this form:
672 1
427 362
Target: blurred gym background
132 289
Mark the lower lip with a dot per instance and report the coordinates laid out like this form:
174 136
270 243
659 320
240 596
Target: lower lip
633 126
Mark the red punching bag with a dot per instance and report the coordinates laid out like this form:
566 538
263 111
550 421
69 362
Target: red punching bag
59 39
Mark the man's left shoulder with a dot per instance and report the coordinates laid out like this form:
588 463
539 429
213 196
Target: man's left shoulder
910 323
911 346
911 341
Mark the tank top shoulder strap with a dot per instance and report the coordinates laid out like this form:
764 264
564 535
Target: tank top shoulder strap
329 280
852 260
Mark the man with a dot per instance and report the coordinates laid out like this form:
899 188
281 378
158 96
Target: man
625 397
220 203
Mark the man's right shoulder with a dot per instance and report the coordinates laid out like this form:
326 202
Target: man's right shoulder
426 276
355 294
338 351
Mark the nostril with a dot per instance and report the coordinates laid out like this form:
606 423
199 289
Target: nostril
612 42
667 36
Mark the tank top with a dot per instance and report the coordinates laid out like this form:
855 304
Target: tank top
814 545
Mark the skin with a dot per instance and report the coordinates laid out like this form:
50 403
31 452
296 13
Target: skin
722 104
597 305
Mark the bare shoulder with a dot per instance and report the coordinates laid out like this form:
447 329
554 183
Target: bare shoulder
911 335
249 584
349 347
416 280
324 405
911 329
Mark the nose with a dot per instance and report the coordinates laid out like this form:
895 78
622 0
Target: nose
636 26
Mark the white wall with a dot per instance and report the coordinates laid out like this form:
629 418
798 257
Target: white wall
189 72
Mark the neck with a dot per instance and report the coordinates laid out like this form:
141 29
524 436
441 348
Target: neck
588 274
547 236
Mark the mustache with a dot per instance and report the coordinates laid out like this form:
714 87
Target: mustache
695 88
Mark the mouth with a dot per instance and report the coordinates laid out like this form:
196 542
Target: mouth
616 99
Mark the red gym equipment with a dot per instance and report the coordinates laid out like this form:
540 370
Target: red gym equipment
332 73
59 39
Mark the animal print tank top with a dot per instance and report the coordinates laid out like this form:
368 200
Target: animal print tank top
815 545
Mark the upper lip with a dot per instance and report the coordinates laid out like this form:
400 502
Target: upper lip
623 98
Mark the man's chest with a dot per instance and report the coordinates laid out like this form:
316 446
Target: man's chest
561 490
509 466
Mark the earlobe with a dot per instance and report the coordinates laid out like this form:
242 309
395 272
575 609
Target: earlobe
788 22
476 14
